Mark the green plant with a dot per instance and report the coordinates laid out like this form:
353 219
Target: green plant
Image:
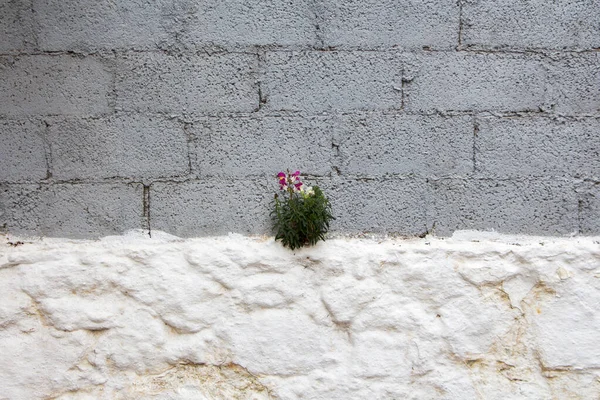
301 215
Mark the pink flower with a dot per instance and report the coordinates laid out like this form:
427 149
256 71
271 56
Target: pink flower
286 180
282 180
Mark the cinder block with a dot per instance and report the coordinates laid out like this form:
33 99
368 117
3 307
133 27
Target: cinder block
246 23
575 82
71 210
21 209
538 147
589 208
53 85
375 144
158 82
536 206
383 205
532 24
118 146
479 82
371 24
16 33
101 24
212 206
319 81
22 150
263 146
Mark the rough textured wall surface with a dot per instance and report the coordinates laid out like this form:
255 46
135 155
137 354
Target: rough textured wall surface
415 116
468 317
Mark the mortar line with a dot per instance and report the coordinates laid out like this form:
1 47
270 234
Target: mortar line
47 149
308 49
402 89
475 135
34 26
261 61
460 23
319 40
146 208
579 212
366 177
189 144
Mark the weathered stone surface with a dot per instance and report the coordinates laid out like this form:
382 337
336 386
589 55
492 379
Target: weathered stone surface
555 314
158 82
479 82
375 144
529 206
536 24
538 147
243 318
47 85
118 146
70 210
263 146
22 150
389 24
327 81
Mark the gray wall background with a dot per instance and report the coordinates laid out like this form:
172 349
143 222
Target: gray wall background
414 116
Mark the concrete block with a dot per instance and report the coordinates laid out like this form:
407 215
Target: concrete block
212 206
405 24
533 24
575 82
263 146
324 81
20 209
384 205
246 23
465 82
536 206
134 147
71 210
22 150
588 193
158 82
375 144
53 85
538 147
16 29
101 24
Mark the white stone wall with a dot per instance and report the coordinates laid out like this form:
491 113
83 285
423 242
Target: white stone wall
475 316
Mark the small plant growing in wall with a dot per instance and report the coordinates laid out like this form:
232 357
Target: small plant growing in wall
302 214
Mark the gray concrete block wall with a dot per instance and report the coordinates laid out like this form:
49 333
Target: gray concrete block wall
414 116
